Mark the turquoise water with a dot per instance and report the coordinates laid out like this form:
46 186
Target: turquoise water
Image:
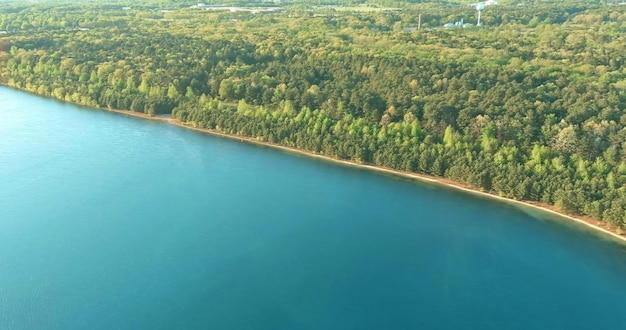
108 221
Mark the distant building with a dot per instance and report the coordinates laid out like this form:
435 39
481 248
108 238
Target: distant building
455 24
486 3
273 10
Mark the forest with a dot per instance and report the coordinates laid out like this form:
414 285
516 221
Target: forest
530 105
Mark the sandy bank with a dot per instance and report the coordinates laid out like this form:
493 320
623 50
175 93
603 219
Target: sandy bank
597 226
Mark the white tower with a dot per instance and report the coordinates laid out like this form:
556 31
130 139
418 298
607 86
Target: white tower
480 7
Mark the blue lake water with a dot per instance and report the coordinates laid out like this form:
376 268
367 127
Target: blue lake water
109 221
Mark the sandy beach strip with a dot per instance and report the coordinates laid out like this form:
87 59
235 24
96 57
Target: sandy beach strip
548 209
597 226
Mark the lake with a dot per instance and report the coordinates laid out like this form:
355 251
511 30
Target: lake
109 221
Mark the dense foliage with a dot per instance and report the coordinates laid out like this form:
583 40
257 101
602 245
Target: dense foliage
529 106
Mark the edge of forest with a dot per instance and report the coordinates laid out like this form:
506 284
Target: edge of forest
597 227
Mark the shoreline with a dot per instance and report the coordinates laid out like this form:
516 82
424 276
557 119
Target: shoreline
587 223
596 226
